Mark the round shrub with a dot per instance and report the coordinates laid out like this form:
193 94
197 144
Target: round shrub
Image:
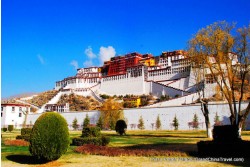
49 137
10 128
120 127
91 132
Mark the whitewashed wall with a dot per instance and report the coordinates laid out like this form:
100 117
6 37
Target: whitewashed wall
10 117
190 98
184 115
180 84
130 85
159 89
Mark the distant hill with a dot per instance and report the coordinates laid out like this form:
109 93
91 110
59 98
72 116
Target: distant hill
21 95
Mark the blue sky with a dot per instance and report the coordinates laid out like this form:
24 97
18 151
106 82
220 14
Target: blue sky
45 40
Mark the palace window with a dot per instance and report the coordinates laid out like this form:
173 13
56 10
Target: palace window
210 79
13 109
20 114
1 108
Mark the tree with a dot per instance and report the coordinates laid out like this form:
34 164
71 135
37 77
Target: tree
25 112
225 55
86 121
195 122
100 122
175 123
141 123
74 124
111 111
49 138
216 119
120 127
199 73
158 122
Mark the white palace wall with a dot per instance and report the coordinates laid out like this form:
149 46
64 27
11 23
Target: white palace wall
184 115
123 85
158 89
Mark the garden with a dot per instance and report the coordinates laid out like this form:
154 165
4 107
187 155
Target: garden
136 148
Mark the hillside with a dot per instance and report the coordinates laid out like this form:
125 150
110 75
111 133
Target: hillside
42 98
79 103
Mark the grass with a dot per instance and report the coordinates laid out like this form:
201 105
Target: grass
184 141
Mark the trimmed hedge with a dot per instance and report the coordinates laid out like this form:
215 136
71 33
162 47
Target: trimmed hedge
101 141
91 132
26 131
23 137
50 137
120 127
10 128
4 129
226 133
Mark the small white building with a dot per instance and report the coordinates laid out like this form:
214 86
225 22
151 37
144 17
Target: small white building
13 114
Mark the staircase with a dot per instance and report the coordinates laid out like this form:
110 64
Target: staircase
98 98
54 100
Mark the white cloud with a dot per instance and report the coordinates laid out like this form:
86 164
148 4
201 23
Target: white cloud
88 63
74 63
106 53
90 53
40 58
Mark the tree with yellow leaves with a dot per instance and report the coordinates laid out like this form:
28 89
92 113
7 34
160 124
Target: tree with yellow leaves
111 111
223 54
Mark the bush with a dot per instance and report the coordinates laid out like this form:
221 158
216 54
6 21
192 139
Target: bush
105 140
50 137
226 133
120 127
26 131
91 132
23 137
4 129
101 141
10 128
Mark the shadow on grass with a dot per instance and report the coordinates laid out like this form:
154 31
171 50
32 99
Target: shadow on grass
160 136
25 159
192 150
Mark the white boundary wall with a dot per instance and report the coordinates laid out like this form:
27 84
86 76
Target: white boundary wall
184 115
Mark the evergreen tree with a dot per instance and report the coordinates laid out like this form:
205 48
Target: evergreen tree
158 122
100 123
195 122
74 124
216 119
175 123
141 123
86 121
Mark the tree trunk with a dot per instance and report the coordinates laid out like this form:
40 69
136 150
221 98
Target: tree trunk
207 121
242 118
25 120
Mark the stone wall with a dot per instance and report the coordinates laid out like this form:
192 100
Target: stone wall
184 115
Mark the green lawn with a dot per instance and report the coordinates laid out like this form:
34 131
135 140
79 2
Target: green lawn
184 141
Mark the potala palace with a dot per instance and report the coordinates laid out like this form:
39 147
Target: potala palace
168 74
139 74
134 74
